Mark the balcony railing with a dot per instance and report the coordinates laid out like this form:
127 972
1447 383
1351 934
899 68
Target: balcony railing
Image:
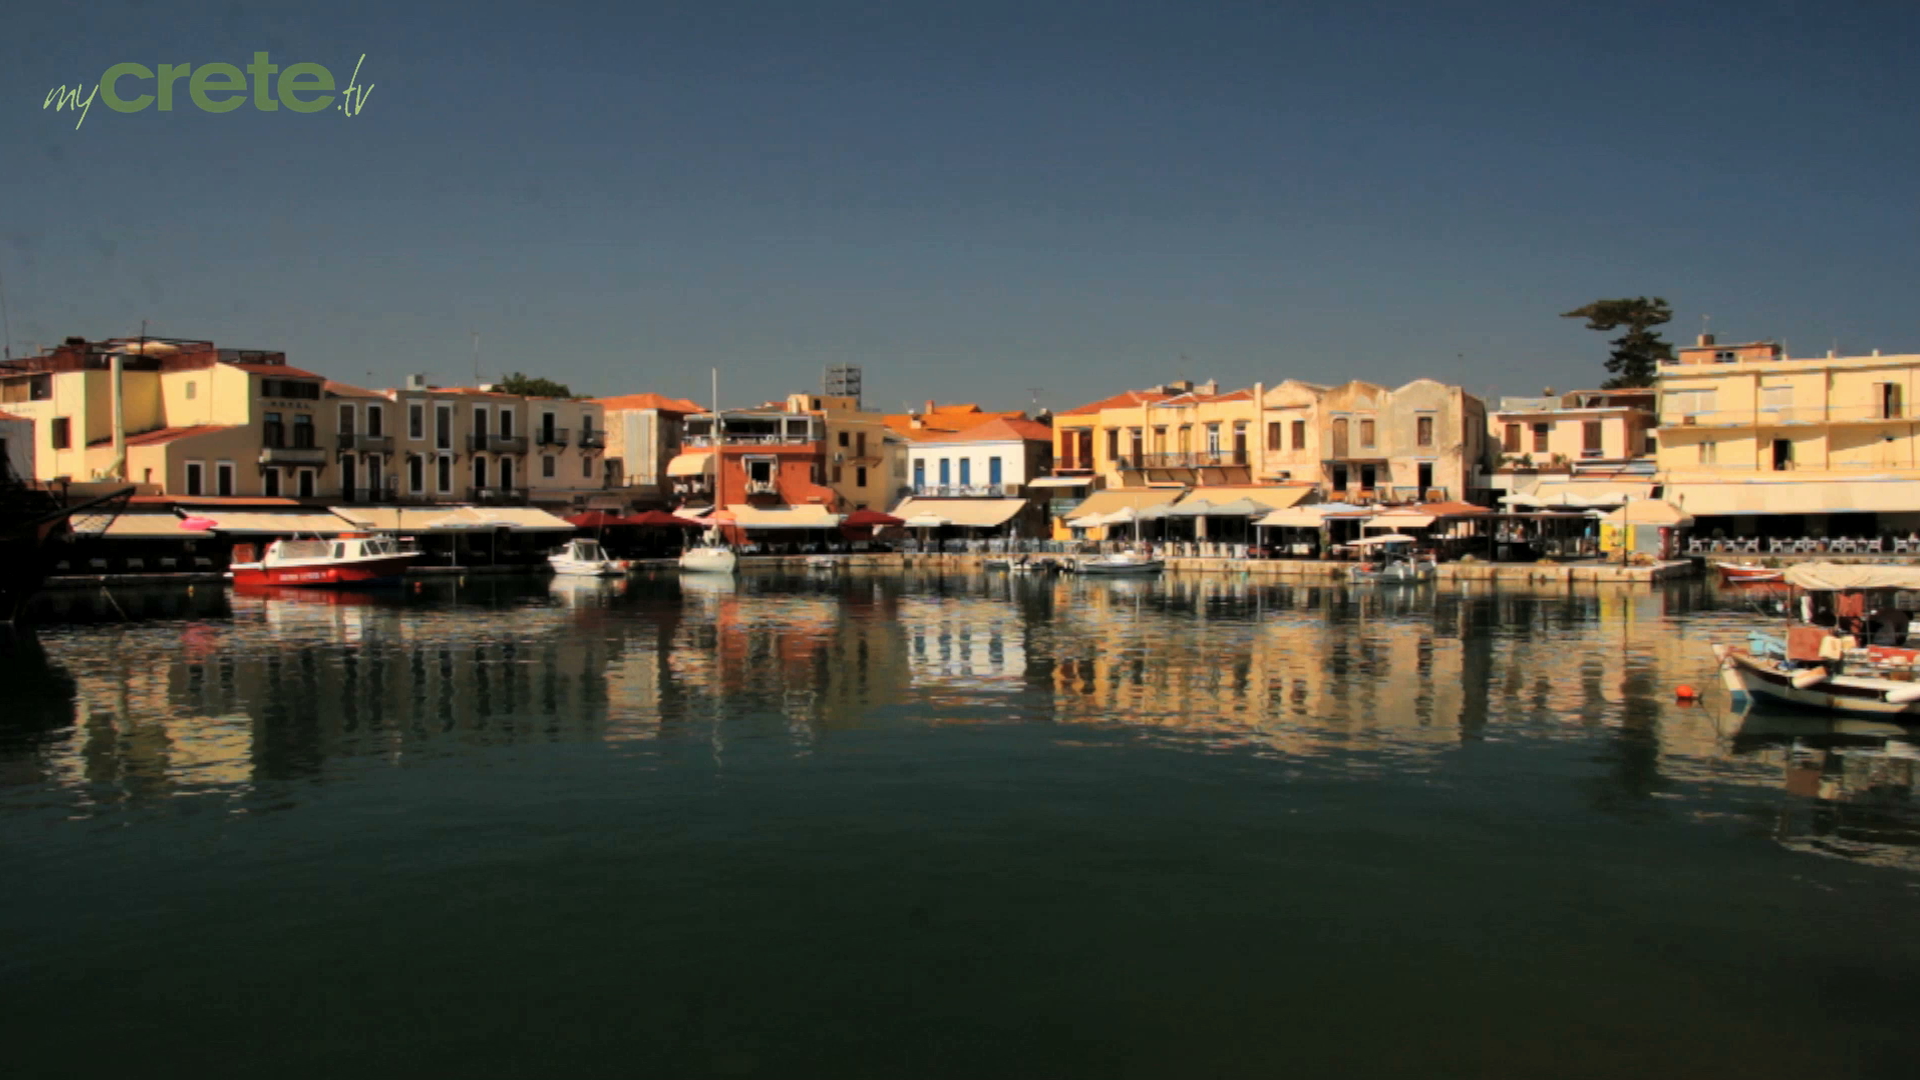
699 441
497 444
1185 461
382 444
1677 415
497 496
293 455
762 487
550 436
593 440
961 491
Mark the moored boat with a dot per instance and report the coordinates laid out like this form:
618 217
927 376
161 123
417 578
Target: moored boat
1124 562
1391 561
1747 573
1848 651
348 559
583 557
711 557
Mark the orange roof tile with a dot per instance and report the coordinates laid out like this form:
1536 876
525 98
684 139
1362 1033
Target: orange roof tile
649 401
1120 400
340 389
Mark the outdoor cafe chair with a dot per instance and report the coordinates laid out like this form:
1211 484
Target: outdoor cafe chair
1752 546
1874 546
1902 546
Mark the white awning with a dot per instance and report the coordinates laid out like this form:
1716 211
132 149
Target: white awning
690 464
785 517
152 527
1400 521
1266 497
1101 503
1650 512
1827 577
966 513
1060 481
1312 517
408 519
1870 495
925 521
270 524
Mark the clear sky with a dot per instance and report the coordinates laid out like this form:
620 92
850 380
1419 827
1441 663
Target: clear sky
974 199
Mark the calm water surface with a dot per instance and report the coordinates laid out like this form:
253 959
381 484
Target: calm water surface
912 826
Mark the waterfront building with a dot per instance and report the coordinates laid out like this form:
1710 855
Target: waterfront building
1425 441
934 418
1593 447
797 464
643 435
977 477
466 444
16 445
1755 442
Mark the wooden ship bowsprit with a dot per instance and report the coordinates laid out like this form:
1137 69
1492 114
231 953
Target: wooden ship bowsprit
35 524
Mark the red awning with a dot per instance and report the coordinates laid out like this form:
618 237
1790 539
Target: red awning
872 518
660 519
595 519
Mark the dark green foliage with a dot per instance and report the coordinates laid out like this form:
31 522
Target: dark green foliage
1638 352
528 386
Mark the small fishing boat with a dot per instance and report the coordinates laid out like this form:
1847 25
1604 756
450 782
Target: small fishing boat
996 564
582 557
1747 573
1391 560
1817 663
1124 562
347 559
711 557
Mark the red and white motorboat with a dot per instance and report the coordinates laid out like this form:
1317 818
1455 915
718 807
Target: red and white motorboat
1747 573
348 559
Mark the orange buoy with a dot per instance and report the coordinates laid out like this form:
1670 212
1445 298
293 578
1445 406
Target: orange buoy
1686 693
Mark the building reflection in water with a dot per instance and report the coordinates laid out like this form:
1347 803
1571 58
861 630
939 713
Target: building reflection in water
241 696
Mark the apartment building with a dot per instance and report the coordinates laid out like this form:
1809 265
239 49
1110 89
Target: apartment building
978 477
643 435
806 457
1751 438
1425 441
462 444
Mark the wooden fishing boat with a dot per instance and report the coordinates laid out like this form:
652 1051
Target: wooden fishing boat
1816 666
347 559
1391 561
1747 573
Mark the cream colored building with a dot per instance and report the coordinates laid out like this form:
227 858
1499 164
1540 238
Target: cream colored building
459 444
1747 432
643 435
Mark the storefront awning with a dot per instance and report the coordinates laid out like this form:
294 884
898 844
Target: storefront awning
785 517
1878 495
407 519
966 513
1102 503
151 527
1312 517
1400 521
1060 482
1269 497
264 524
691 464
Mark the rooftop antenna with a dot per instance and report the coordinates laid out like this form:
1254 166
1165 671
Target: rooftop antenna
476 358
6 321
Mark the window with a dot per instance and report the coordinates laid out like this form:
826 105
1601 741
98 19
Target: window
966 472
273 430
1340 444
480 424
1888 397
1366 434
193 388
376 420
444 474
1136 443
1691 406
443 429
919 473
1299 434
1591 439
1186 438
1510 442
837 474
1542 432
547 425
586 423
270 482
303 431
306 483
1159 440
860 476
843 438
1709 453
547 466
61 432
195 471
506 423
1725 356
416 474
993 469
586 467
223 478
1423 431
1273 435
1213 440
346 419
290 389
760 470
946 476
416 419
506 473
1776 399
860 444
1113 444
480 472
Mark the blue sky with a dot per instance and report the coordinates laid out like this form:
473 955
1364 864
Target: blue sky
975 200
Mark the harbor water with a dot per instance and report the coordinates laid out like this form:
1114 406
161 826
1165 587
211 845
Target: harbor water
917 824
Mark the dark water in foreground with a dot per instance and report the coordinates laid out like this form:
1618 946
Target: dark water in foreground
908 827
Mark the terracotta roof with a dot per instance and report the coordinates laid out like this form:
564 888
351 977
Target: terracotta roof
285 371
165 435
340 389
1120 400
649 401
944 419
999 429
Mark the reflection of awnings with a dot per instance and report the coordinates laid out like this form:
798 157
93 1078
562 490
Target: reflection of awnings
693 464
966 513
1867 496
1060 481
791 517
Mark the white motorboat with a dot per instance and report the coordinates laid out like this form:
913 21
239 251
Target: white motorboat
583 557
1123 562
1391 561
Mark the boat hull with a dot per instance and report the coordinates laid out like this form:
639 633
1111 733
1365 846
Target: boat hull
1761 681
1737 574
708 560
1143 566
579 568
329 575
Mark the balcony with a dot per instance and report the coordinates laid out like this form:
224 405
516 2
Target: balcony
387 494
373 444
497 496
497 444
593 440
1217 459
703 442
762 487
961 491
293 455
552 437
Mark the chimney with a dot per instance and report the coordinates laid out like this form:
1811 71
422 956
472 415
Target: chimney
1705 340
416 382
929 411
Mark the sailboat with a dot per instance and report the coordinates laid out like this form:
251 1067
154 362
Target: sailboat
712 556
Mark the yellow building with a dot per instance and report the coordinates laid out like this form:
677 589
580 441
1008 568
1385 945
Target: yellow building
1749 434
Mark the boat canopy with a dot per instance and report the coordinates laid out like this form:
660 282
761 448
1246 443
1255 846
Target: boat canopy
1848 577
